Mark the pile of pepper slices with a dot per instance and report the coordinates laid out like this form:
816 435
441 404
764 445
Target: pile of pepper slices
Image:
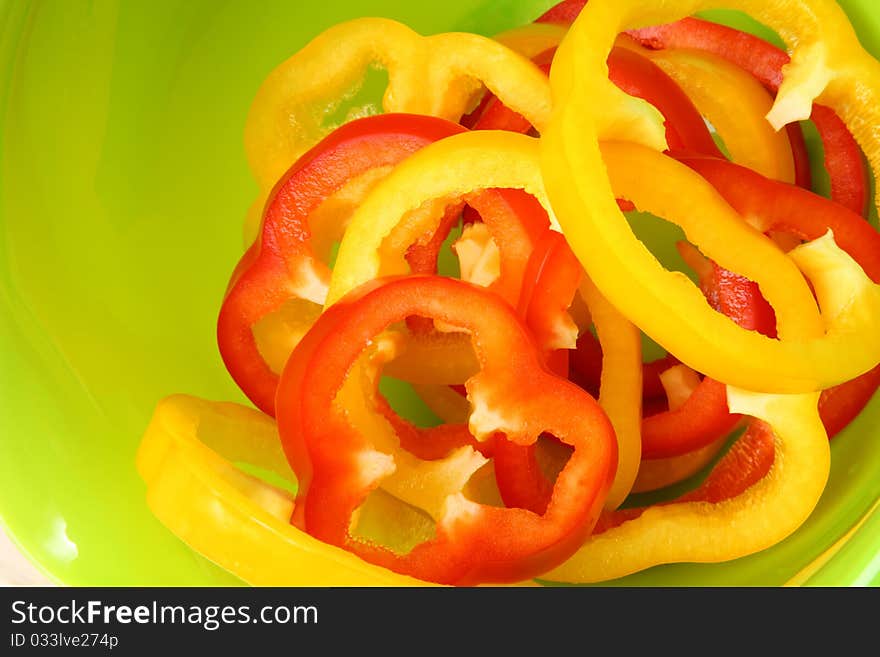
531 354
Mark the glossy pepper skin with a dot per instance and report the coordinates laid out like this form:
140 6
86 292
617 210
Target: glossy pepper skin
282 265
473 542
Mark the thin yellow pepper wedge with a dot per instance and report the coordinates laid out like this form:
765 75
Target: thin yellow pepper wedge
187 459
827 65
620 387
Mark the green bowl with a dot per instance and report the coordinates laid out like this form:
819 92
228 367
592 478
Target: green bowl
124 187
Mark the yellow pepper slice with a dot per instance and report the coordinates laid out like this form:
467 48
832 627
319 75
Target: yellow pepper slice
620 387
440 75
762 516
827 64
187 459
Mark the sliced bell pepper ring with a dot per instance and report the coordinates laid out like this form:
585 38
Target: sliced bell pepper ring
668 307
554 277
827 64
757 494
282 266
437 75
473 542
487 160
745 507
843 158
187 458
771 206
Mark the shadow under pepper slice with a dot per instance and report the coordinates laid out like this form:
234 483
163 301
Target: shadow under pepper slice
513 394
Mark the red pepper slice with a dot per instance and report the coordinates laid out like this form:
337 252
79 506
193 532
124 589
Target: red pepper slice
551 279
513 394
553 276
282 263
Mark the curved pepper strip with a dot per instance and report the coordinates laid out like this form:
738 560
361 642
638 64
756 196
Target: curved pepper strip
436 75
520 478
473 542
187 458
667 306
827 63
842 156
282 267
552 278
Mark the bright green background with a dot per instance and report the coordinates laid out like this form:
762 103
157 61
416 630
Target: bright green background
123 187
